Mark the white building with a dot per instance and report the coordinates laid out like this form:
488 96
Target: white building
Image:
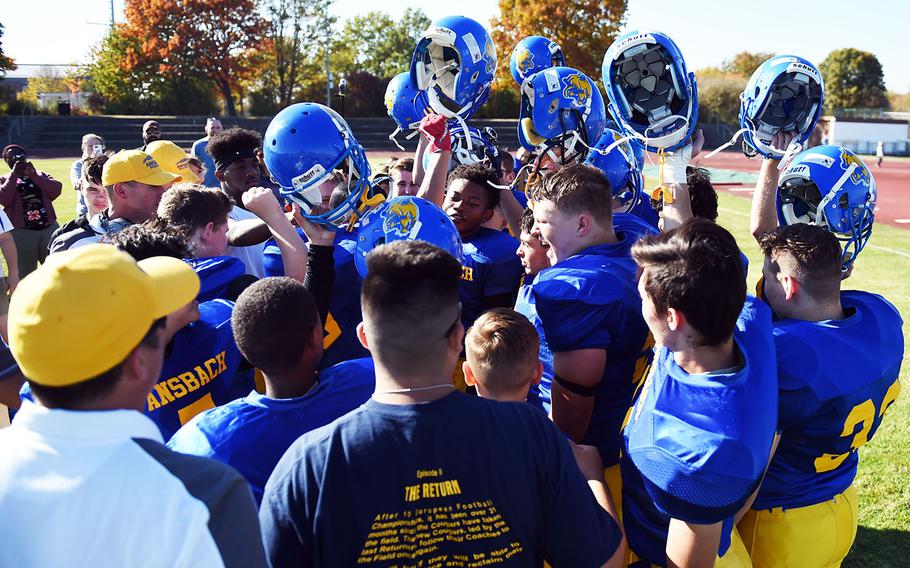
863 134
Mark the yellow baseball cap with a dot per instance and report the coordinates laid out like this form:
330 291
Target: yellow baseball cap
134 165
84 310
173 159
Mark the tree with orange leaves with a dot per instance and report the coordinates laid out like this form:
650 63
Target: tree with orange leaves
202 38
583 28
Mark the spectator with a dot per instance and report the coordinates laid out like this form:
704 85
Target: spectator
91 193
197 167
508 167
92 146
278 330
879 153
212 127
501 356
535 501
10 278
82 451
150 132
27 196
134 183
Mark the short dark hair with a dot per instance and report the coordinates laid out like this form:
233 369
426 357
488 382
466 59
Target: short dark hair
695 268
84 393
481 175
273 322
224 145
814 254
578 188
152 238
410 296
702 194
192 206
92 167
527 221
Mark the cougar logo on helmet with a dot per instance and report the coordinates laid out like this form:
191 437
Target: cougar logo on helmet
861 173
525 61
577 88
400 218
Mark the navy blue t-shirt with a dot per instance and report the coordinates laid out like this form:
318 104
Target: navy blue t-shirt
396 485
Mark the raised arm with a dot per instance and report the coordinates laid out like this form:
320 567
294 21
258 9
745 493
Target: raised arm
433 186
763 217
679 210
263 203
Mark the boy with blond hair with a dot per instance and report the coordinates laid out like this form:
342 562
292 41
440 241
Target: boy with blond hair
501 355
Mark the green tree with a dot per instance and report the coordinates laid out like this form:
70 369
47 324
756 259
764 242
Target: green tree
205 39
6 62
745 63
378 44
48 80
899 102
584 29
139 88
718 96
853 79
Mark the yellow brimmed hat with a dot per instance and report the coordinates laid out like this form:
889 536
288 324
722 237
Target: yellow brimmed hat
84 310
134 165
172 159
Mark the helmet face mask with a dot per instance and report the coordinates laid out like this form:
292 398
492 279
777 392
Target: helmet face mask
652 96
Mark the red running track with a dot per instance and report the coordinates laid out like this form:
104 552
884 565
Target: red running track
892 180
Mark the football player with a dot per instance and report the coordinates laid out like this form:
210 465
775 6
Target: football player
703 423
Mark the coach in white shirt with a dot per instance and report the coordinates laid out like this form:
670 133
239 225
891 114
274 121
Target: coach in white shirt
84 477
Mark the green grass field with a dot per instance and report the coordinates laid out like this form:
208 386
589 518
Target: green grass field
884 472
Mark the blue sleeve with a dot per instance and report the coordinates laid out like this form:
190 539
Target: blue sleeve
796 371
570 323
577 531
195 149
75 172
190 439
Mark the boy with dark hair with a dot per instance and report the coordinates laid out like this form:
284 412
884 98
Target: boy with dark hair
531 252
278 330
81 451
491 270
237 169
703 423
501 355
839 355
594 343
537 503
93 198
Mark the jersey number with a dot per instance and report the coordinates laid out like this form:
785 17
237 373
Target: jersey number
863 415
332 331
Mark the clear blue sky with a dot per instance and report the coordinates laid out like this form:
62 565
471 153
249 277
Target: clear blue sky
62 31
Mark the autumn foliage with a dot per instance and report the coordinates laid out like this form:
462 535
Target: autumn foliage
194 38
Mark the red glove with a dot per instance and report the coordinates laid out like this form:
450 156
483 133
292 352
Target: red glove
435 128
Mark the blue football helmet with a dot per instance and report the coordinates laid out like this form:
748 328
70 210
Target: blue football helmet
474 145
404 102
784 94
533 54
405 218
454 62
303 145
652 95
561 106
831 187
620 166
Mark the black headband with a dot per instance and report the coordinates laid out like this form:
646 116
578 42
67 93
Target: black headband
225 161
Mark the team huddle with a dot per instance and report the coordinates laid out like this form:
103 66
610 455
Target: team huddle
470 359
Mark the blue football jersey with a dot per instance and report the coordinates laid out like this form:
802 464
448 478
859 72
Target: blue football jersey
216 273
252 433
490 268
590 301
629 229
644 211
836 379
695 446
339 341
197 371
